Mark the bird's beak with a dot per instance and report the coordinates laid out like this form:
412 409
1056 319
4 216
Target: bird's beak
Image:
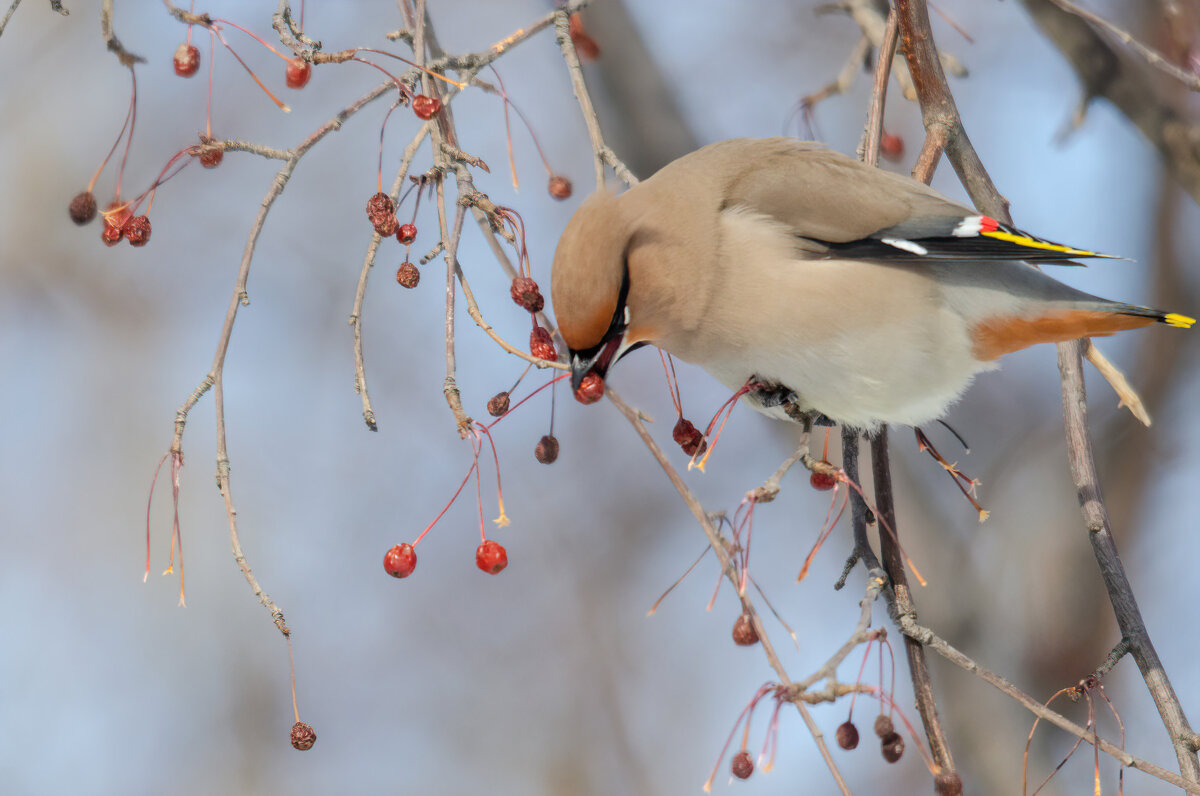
600 360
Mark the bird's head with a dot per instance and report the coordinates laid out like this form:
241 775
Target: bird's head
590 286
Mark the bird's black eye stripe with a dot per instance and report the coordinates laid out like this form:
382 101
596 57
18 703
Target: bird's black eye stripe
616 327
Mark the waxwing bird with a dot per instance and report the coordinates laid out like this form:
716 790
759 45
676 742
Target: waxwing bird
838 288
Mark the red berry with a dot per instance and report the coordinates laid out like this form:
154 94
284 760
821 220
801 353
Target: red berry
498 404
303 736
491 557
822 482
892 746
187 60
744 634
426 107
387 226
407 275
83 207
212 158
560 187
546 450
540 344
400 561
591 389
111 235
525 293
381 212
688 437
407 233
585 45
891 146
847 735
137 230
742 766
298 72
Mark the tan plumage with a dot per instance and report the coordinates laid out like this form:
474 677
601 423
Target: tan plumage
870 296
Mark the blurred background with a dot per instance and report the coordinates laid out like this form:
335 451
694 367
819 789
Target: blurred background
548 678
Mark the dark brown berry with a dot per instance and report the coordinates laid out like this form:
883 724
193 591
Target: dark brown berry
491 557
137 230
591 389
498 404
560 187
407 275
744 634
407 233
892 746
83 207
525 292
546 450
187 60
298 73
883 725
303 736
742 766
426 107
400 561
822 482
847 735
541 346
891 146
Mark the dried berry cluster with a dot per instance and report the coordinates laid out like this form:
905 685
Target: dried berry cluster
891 743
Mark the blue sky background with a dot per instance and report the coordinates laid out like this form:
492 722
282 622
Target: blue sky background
547 678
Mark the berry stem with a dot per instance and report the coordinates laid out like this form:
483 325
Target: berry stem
670 376
282 106
455 83
457 492
212 51
502 520
524 120
120 135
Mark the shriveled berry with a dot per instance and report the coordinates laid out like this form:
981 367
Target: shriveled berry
407 233
744 634
426 107
591 389
83 207
560 187
742 766
407 275
884 726
498 404
111 235
387 226
546 451
298 73
380 204
137 230
891 146
491 557
540 344
116 214
688 437
187 60
892 746
822 482
212 158
400 561
847 735
303 736
525 293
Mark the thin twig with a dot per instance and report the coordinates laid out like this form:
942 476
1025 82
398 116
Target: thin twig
717 542
1151 56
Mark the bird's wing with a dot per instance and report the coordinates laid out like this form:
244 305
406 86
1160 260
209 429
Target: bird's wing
854 210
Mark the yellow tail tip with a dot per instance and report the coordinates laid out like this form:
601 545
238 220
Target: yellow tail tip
1178 321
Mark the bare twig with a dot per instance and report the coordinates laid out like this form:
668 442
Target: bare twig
1116 379
718 544
940 112
110 39
1151 56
